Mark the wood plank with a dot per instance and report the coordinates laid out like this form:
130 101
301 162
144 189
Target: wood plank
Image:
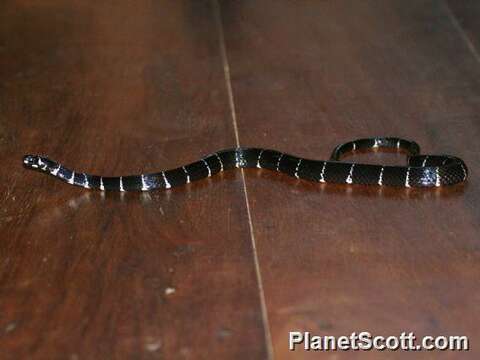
112 88
336 259
465 15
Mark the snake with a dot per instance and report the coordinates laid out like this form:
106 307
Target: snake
420 171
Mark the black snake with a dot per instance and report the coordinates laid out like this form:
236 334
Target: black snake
420 171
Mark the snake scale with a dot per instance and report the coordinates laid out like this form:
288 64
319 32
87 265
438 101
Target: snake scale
420 170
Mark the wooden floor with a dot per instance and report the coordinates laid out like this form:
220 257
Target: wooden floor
226 267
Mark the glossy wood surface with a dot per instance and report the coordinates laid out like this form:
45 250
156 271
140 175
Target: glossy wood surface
338 259
125 88
224 268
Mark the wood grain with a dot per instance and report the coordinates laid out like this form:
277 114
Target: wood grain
112 88
309 75
128 87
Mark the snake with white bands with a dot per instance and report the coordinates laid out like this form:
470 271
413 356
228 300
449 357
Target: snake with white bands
420 171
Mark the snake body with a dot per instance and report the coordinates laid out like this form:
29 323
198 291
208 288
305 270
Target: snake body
420 170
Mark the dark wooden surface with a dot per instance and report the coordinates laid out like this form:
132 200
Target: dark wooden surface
224 268
120 89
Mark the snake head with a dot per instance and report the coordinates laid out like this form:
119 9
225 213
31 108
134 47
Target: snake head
31 161
37 162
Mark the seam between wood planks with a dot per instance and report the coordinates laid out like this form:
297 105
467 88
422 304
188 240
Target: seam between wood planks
226 70
461 32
